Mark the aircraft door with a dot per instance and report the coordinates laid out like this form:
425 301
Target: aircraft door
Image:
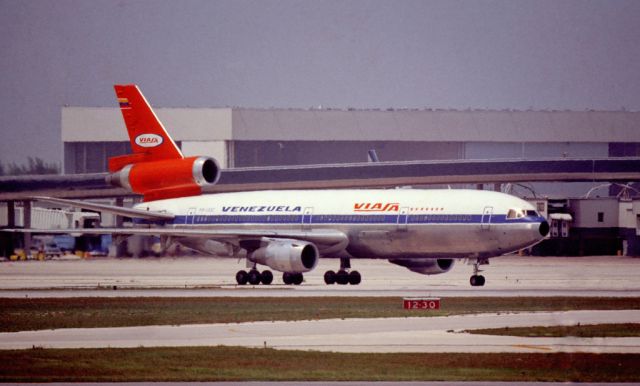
485 222
402 219
191 214
306 218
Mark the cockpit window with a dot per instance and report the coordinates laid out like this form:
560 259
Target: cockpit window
515 213
520 213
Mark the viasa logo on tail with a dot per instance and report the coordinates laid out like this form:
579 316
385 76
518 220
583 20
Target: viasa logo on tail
148 140
376 207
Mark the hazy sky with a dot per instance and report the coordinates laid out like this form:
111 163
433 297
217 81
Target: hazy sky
448 54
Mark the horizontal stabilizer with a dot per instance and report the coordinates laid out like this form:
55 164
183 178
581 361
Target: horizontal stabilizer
118 210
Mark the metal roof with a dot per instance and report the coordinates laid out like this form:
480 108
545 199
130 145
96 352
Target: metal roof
80 124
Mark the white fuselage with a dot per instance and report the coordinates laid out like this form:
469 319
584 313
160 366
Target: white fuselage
400 223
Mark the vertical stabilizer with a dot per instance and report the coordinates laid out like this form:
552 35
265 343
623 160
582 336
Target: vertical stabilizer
149 139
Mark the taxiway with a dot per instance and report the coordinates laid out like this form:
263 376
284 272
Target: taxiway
434 334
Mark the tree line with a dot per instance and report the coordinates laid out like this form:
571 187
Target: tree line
34 166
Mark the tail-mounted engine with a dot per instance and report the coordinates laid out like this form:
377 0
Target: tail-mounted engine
286 255
425 266
168 178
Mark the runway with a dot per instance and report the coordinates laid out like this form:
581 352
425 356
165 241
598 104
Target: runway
608 276
436 334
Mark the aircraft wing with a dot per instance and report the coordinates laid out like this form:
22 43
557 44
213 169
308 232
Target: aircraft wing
324 237
333 238
126 212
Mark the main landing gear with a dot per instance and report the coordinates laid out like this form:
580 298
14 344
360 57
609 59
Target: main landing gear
478 280
343 276
254 277
292 278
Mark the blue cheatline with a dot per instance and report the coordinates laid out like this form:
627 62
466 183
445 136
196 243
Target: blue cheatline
349 219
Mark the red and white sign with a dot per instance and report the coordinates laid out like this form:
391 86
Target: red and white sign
148 140
421 303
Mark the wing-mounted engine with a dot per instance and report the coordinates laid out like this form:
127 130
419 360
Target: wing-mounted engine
167 178
425 266
286 255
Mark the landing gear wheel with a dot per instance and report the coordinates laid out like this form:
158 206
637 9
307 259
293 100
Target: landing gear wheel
254 277
342 277
242 277
329 277
292 278
266 277
354 278
477 280
298 279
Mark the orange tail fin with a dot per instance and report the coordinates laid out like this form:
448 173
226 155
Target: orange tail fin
149 139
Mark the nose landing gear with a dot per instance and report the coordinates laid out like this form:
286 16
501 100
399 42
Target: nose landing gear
477 280
344 275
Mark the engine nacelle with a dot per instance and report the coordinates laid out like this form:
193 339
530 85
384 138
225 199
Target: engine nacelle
425 266
167 178
286 255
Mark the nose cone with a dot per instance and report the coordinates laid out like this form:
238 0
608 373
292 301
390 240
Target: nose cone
544 228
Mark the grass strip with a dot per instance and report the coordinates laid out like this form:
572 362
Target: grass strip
243 364
52 313
620 330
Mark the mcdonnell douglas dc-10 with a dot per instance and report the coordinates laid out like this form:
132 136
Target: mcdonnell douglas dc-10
288 231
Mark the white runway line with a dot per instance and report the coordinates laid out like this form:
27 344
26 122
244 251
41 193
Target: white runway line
436 334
